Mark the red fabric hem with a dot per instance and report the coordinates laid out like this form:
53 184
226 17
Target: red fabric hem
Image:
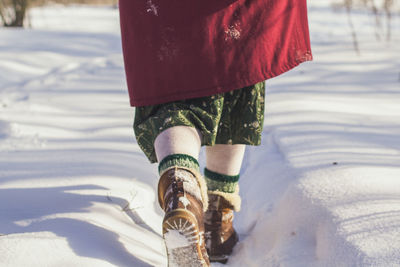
214 89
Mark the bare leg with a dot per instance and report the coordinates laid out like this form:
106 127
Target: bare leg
178 140
225 159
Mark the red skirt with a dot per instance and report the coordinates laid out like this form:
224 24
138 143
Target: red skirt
180 49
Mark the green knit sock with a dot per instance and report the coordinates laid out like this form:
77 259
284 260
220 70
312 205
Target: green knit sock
179 160
220 182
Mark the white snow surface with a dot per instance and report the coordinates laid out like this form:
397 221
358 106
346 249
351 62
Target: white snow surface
75 190
175 239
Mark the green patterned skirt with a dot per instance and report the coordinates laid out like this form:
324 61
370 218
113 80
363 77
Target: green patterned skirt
235 117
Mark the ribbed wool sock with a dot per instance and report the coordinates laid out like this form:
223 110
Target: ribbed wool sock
179 160
220 182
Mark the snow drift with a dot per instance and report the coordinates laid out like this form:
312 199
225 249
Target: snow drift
75 189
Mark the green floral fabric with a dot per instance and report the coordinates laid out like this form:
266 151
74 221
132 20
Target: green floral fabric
234 117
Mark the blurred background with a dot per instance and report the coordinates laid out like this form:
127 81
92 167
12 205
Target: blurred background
15 13
73 182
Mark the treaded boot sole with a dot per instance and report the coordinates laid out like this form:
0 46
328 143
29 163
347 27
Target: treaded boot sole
225 250
182 239
219 258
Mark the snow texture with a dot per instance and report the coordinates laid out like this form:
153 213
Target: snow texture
75 190
175 239
184 201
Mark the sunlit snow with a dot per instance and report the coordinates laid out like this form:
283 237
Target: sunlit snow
75 190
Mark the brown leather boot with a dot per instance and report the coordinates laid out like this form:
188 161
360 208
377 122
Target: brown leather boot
221 237
181 194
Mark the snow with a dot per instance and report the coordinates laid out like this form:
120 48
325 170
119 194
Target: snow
175 239
184 201
75 189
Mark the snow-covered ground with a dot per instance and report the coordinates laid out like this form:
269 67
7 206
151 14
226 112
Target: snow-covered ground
75 189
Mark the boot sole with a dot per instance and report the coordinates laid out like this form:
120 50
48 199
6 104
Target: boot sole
182 239
221 258
226 247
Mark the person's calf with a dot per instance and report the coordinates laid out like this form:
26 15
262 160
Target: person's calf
178 140
225 159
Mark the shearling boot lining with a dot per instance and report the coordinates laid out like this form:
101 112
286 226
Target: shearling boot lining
233 198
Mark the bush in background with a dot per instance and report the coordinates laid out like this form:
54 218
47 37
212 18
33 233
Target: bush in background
381 10
13 12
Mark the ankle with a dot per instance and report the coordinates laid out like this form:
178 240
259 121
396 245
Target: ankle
182 169
221 182
183 161
225 186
